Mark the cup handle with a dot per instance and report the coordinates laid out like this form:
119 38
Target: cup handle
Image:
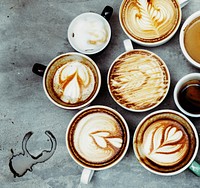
128 45
183 2
107 12
195 168
38 69
86 175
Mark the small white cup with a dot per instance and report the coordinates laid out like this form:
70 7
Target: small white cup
180 83
181 38
92 40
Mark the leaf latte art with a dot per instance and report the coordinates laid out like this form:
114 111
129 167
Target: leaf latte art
165 142
150 20
73 82
98 137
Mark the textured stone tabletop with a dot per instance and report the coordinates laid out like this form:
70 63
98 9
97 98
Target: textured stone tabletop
35 31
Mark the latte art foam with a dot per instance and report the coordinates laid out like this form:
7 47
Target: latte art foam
165 143
138 80
150 20
73 82
89 33
98 137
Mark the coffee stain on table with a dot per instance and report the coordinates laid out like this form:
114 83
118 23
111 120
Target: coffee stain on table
21 163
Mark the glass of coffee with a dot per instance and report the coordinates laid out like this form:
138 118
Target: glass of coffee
71 80
97 138
190 39
150 23
166 143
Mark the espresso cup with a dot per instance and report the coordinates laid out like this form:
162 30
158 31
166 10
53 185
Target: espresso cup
138 80
71 80
97 138
187 94
166 143
150 23
90 33
190 40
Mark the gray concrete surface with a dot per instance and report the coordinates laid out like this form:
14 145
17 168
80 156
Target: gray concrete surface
35 31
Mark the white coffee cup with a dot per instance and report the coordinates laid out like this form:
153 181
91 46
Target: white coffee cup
97 138
89 33
138 26
166 143
190 80
135 84
186 24
71 80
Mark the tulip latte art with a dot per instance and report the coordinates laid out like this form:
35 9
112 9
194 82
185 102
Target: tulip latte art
73 82
164 142
97 138
150 20
138 80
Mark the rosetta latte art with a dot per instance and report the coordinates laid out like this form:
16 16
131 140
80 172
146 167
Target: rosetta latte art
98 137
165 143
73 82
150 19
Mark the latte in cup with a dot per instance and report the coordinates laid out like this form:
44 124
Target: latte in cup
165 142
97 137
150 22
72 80
138 80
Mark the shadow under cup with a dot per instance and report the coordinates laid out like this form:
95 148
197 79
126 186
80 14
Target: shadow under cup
72 74
166 142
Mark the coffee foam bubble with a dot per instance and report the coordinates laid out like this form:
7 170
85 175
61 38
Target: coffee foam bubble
98 137
73 82
138 80
165 143
89 33
147 20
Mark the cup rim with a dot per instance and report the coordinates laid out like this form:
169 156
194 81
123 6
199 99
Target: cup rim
92 15
178 85
195 151
181 38
141 110
126 127
151 44
70 107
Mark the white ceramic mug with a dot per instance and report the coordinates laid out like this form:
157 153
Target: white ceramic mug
90 132
179 86
187 22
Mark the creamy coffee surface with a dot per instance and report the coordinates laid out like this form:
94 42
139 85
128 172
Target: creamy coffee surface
89 33
149 20
98 137
165 143
73 82
138 80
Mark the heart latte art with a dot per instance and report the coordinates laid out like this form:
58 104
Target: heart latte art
149 20
97 137
73 82
165 142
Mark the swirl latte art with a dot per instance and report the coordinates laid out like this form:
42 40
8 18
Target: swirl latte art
73 82
149 20
165 142
98 137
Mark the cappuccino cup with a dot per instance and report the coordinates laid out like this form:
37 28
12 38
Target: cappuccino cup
89 33
190 40
71 80
138 80
166 143
97 138
187 94
150 23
